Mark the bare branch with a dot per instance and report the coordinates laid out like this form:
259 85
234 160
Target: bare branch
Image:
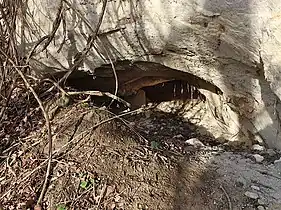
48 124
80 57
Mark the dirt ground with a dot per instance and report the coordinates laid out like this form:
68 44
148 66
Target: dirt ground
144 159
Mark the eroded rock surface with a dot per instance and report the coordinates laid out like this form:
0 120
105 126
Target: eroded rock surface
233 44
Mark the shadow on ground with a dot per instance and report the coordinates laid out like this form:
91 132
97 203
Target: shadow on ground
137 162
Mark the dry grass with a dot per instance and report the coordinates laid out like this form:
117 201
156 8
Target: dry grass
8 44
16 81
108 166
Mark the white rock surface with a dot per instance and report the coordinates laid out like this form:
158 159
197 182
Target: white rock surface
271 152
251 195
258 147
254 187
260 208
277 161
194 142
261 201
232 44
235 169
179 136
258 158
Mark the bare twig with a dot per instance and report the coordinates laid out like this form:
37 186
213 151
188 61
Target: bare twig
92 93
128 125
113 69
227 197
57 86
32 52
64 33
80 56
82 194
8 13
102 194
99 93
90 43
56 25
49 37
48 124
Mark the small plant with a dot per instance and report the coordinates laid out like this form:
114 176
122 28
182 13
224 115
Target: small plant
85 104
61 207
85 184
155 145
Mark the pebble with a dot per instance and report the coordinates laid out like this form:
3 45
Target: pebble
194 142
258 147
258 139
255 187
241 182
270 152
258 158
251 195
178 136
260 208
277 164
261 201
277 161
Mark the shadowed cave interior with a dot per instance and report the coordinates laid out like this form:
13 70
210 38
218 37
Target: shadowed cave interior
138 87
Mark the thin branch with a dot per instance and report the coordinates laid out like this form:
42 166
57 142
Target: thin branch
58 152
89 45
127 123
98 93
113 69
227 197
57 86
32 52
48 124
64 34
92 93
56 25
96 33
102 194
49 37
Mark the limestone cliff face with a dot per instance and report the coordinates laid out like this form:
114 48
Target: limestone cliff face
234 44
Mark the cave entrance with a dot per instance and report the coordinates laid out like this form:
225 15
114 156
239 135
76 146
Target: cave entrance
172 90
191 98
140 83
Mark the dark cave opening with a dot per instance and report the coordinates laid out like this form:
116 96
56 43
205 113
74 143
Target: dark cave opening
172 90
139 83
